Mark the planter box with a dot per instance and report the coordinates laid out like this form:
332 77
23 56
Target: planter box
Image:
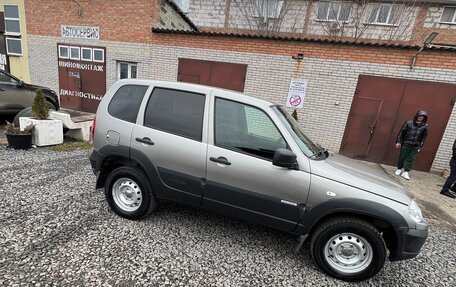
19 141
47 132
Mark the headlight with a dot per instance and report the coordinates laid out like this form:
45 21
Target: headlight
415 212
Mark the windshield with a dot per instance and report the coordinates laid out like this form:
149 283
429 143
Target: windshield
305 144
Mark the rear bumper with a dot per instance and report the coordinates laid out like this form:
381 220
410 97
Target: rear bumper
95 161
409 244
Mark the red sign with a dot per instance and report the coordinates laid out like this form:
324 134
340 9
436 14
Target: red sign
295 101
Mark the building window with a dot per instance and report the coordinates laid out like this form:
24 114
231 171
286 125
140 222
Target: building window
333 11
14 46
383 14
64 52
127 70
98 55
184 5
75 53
12 25
449 15
268 8
86 54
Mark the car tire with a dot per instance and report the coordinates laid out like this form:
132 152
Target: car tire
50 105
129 193
348 248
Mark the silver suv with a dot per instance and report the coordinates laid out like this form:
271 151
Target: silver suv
245 157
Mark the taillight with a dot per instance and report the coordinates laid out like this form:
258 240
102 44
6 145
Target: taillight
93 126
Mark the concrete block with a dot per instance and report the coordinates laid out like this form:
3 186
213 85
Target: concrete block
47 132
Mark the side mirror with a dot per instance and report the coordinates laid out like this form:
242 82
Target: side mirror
21 83
285 158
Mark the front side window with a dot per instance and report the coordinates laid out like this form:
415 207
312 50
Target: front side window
12 24
127 70
384 14
176 112
246 129
449 15
305 144
333 11
125 103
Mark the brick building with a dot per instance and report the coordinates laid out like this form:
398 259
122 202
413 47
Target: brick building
359 91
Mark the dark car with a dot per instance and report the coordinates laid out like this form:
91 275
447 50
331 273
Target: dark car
15 95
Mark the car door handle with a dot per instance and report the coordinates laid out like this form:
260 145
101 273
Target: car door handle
2 90
145 141
221 160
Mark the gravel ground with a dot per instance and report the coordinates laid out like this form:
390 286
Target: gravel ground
55 229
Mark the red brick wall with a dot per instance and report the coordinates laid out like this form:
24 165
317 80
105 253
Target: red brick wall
119 20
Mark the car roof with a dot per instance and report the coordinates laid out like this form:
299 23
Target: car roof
218 92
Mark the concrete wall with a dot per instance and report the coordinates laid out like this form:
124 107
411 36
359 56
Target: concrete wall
331 82
207 13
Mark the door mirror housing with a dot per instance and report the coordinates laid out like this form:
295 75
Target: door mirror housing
285 158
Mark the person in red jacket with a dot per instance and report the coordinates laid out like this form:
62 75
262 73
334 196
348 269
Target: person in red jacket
410 139
451 180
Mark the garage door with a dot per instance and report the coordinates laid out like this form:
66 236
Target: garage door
380 107
217 74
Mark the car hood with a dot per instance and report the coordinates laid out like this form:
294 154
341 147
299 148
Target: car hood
360 175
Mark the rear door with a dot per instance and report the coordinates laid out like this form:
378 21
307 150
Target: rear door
241 179
171 135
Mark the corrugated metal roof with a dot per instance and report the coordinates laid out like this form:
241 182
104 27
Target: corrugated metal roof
304 39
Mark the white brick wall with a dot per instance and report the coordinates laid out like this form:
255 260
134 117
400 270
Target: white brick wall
207 13
331 83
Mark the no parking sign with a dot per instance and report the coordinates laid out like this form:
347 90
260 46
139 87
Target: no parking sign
296 94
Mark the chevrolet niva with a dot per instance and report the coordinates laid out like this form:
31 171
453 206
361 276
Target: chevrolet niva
248 158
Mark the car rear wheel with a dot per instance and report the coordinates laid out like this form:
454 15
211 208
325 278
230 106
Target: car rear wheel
348 248
129 193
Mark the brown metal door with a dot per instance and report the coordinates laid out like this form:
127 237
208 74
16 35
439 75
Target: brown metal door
367 126
371 132
435 98
217 74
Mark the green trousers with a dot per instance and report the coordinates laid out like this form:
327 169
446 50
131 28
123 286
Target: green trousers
407 157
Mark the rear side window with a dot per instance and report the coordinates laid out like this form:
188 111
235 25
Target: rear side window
125 103
177 112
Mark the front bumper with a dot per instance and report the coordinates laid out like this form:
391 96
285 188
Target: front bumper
409 243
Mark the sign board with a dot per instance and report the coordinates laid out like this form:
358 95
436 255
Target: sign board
82 76
80 32
4 61
296 94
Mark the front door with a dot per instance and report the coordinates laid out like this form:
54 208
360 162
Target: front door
241 179
172 138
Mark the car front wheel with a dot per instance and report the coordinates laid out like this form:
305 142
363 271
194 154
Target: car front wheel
348 248
129 193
